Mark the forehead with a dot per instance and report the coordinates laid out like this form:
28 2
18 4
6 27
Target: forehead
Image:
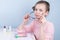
41 6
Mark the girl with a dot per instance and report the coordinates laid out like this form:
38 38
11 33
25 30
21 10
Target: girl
40 27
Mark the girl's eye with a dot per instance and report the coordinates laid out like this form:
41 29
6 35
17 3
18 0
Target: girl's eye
40 10
35 9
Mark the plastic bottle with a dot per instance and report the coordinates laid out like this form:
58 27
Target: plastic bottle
4 29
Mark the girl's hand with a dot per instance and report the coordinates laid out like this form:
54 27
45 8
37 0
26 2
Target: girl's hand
26 18
41 19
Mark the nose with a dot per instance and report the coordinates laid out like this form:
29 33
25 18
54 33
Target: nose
36 14
36 11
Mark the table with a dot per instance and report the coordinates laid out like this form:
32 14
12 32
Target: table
11 36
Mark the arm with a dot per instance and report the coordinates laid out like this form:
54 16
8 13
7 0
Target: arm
23 29
23 24
49 34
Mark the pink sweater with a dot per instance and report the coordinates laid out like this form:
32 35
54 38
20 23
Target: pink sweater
42 31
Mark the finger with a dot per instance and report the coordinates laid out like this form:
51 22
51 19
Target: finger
26 16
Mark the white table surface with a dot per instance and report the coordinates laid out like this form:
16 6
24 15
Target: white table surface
11 36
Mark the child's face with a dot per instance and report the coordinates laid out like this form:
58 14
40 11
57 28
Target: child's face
40 10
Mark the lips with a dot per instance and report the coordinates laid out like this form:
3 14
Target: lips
38 17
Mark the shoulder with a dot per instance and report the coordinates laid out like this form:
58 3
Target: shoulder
49 23
50 27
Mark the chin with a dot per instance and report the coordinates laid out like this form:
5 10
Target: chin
37 18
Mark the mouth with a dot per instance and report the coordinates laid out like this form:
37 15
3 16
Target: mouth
38 17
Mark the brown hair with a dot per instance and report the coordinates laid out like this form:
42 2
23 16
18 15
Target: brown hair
44 2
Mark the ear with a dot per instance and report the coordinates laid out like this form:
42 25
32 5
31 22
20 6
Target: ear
46 13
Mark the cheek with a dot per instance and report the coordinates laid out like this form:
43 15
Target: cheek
43 14
40 14
35 13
